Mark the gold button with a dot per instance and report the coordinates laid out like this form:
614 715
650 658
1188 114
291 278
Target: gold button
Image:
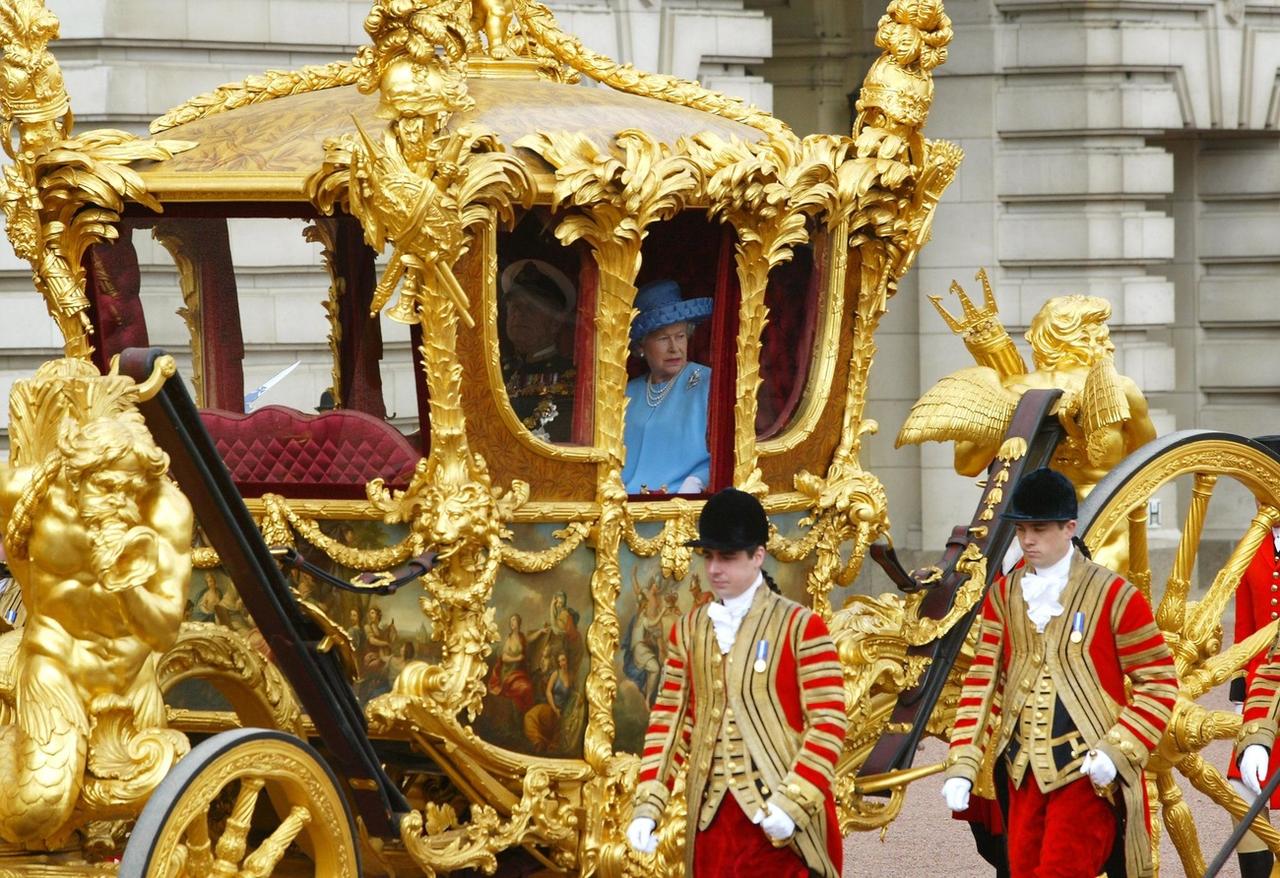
764 791
794 789
1273 614
1275 601
728 711
1275 587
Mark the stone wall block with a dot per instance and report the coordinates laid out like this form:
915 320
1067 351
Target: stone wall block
1243 299
1240 233
1249 173
1125 234
310 22
1072 174
233 21
1239 364
1150 364
1079 107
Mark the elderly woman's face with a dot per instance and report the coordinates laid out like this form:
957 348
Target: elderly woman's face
666 350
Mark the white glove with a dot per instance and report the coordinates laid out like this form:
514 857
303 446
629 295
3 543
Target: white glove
690 485
956 792
1099 767
1254 762
775 822
640 834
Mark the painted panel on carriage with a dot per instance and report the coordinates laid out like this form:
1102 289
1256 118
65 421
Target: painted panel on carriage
535 699
386 631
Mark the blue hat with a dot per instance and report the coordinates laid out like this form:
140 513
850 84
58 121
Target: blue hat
660 304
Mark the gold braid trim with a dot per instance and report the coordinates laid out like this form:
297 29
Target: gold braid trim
266 86
569 50
18 532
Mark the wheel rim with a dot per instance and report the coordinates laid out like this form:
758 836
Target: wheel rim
1193 630
175 837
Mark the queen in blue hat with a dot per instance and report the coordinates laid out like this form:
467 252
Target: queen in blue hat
666 421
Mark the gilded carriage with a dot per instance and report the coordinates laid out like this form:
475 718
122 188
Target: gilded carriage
451 593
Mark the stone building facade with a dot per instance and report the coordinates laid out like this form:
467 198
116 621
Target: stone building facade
1124 148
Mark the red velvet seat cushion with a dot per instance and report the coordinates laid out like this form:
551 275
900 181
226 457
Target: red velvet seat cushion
332 455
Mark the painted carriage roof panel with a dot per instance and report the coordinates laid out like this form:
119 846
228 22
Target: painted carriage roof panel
269 149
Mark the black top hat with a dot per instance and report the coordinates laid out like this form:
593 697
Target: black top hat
1042 495
730 521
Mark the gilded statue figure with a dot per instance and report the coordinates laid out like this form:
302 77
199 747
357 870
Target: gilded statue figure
1104 414
99 540
493 18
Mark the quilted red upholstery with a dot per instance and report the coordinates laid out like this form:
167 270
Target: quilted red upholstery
280 450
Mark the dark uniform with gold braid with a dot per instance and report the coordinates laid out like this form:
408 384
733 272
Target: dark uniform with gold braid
764 723
1062 695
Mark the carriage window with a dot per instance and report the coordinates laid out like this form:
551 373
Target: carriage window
786 345
681 370
539 302
300 390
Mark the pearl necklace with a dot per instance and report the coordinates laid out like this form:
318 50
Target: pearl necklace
655 398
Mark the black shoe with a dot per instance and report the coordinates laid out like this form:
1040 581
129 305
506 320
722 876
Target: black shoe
1256 864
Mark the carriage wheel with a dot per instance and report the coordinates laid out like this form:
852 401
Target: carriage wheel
1201 463
200 820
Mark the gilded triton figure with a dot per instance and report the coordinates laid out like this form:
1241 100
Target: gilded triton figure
1104 413
99 540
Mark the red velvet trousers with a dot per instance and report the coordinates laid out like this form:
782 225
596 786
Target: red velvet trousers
734 847
1067 833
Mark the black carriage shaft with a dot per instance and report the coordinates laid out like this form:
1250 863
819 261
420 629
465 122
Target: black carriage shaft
316 676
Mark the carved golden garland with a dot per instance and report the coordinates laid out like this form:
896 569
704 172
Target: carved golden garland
255 89
541 24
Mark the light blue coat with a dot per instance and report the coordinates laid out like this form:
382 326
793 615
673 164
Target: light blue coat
667 442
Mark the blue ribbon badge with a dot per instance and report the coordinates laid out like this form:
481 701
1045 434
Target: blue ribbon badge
762 656
1077 627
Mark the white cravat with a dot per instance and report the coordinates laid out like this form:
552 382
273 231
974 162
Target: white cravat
727 617
1275 538
1041 591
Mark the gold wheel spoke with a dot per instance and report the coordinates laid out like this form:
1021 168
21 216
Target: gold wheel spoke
1170 613
1206 617
199 850
1139 572
1209 781
261 862
232 844
1181 825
